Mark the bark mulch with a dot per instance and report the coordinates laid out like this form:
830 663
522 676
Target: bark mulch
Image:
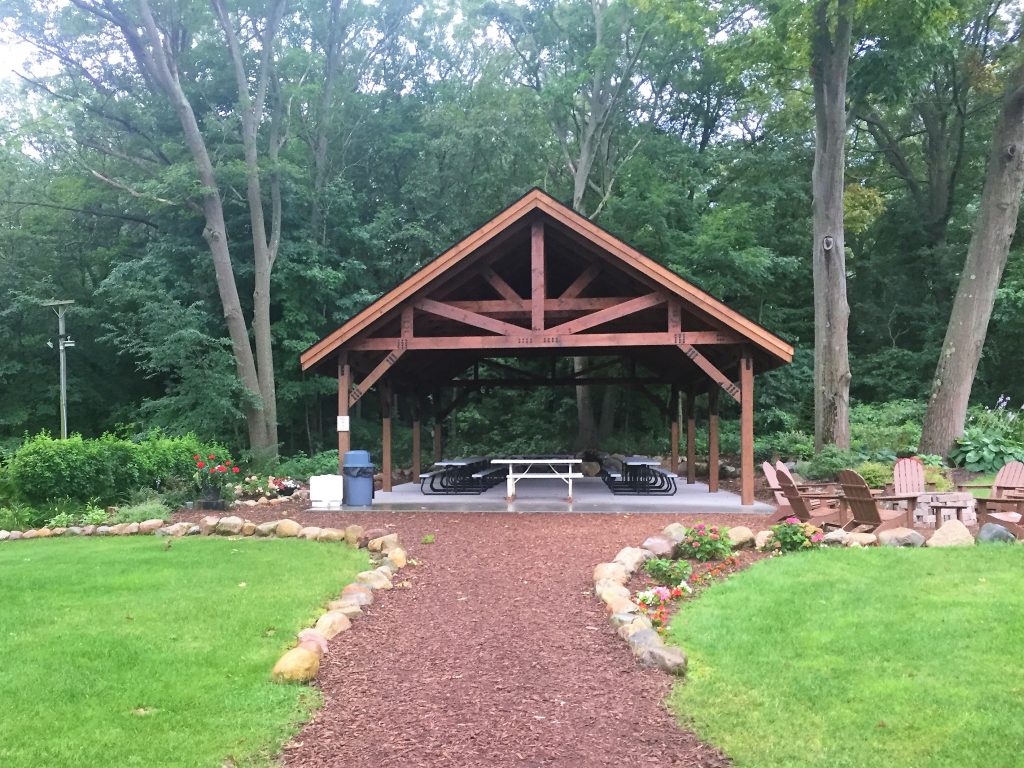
496 655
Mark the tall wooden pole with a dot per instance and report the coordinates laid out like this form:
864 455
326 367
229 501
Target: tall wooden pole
713 462
385 434
416 449
747 428
344 386
691 436
673 411
537 277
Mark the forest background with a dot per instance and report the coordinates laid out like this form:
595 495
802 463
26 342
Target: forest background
347 143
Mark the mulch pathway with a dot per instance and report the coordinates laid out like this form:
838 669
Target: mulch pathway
497 655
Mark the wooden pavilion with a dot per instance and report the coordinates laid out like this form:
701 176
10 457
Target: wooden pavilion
540 280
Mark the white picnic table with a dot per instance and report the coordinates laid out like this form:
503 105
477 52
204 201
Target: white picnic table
550 467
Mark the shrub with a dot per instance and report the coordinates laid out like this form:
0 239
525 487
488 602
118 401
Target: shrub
19 517
938 478
981 451
303 467
147 510
66 513
705 542
792 535
668 572
107 469
826 464
785 445
875 474
892 427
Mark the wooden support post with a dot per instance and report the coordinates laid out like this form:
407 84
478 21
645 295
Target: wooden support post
437 425
537 295
713 462
691 436
673 414
746 428
385 434
344 385
416 448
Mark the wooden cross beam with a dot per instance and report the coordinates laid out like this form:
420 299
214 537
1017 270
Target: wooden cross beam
523 307
611 313
709 368
469 317
522 338
581 282
504 289
383 366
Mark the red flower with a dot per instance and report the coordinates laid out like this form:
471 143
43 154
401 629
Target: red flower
212 470
200 464
235 470
220 468
211 457
228 462
196 457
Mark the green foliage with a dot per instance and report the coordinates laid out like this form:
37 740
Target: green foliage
784 445
705 542
937 478
18 517
791 535
931 460
302 467
892 427
671 573
875 473
825 464
107 469
147 510
66 513
981 451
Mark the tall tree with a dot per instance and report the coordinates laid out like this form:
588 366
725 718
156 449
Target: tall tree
830 60
983 270
162 40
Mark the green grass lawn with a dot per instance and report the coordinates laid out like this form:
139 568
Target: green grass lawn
115 652
856 658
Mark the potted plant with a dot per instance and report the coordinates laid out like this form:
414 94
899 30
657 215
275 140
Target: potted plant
285 486
210 478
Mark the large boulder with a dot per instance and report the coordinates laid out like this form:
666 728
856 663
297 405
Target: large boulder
398 558
632 558
636 624
590 468
230 526
346 606
369 535
762 538
15 535
332 623
836 538
266 529
151 526
374 579
952 534
248 528
383 543
611 572
331 534
675 531
856 539
353 533
299 665
5 535
360 594
665 658
310 532
619 604
607 591
740 536
642 641
44 533
660 546
287 529
208 524
992 533
901 537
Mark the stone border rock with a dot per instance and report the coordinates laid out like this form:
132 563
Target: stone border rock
301 663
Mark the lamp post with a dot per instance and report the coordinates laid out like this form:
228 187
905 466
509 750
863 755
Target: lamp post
60 308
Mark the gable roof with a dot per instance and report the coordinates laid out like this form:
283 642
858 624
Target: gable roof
538 200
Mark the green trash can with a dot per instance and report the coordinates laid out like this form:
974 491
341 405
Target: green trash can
358 479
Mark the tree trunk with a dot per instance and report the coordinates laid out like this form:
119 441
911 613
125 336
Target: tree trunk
830 61
983 270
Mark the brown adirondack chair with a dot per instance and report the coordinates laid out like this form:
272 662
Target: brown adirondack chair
800 505
864 508
1005 504
908 480
783 508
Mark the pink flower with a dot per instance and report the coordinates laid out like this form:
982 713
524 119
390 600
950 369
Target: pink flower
792 520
